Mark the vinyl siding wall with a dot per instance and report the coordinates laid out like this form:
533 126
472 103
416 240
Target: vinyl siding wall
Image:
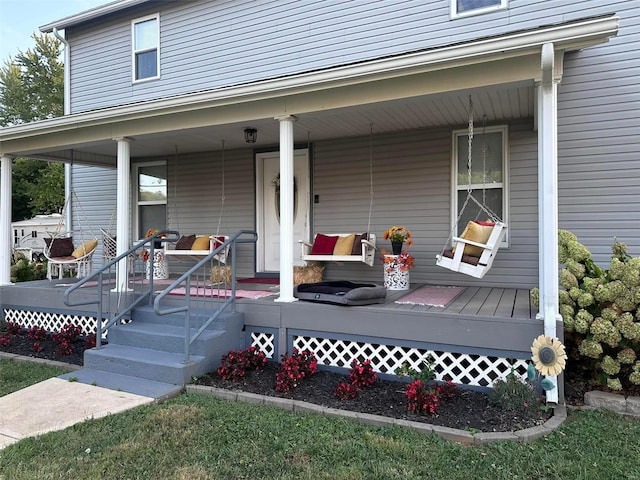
94 204
210 44
411 185
598 141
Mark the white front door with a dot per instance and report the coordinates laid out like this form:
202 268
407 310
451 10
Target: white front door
268 206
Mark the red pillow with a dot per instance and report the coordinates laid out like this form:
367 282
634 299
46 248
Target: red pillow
217 241
485 223
323 244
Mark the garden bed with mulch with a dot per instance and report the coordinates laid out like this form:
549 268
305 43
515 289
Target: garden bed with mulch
468 410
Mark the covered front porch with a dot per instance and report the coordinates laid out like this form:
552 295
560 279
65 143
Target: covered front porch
377 138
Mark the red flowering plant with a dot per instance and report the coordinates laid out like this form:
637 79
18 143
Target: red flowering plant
404 261
423 393
361 375
294 368
237 363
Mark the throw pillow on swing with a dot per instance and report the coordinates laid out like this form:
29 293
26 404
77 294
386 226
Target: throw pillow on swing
476 232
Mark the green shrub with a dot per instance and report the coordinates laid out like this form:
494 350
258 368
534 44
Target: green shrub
601 312
514 395
24 270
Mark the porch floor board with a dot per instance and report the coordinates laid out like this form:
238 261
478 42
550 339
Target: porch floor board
473 301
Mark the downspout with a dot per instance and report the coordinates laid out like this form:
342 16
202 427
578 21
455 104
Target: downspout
548 202
68 174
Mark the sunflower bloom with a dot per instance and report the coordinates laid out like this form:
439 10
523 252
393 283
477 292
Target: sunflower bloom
548 355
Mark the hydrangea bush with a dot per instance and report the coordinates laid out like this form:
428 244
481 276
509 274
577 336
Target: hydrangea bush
601 311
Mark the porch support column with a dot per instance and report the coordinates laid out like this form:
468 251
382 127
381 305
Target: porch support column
548 202
122 210
5 219
286 208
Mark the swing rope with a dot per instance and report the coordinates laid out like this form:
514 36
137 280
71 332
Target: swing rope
222 198
483 207
370 178
175 186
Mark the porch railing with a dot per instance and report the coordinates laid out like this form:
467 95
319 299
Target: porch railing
115 302
209 289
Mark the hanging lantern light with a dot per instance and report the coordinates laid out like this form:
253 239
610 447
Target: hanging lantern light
250 135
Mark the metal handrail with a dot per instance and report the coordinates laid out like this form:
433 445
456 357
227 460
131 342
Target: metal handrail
186 278
162 236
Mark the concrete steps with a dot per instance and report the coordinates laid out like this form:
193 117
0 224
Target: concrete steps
147 354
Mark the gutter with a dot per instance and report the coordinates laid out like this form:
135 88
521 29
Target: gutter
571 36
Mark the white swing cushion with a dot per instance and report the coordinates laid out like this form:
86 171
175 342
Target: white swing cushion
84 249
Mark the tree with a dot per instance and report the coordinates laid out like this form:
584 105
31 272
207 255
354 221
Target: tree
32 83
31 89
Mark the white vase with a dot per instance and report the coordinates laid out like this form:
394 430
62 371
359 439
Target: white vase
395 278
160 266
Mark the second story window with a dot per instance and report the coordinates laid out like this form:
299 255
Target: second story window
460 8
146 48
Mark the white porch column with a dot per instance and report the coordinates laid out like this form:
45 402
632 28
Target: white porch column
548 200
123 209
286 208
5 219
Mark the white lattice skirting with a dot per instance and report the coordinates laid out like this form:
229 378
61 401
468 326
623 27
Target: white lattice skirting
51 322
264 342
461 368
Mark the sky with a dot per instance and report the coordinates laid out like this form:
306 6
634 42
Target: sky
20 18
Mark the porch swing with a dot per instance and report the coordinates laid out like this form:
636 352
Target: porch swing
60 251
345 247
197 246
472 253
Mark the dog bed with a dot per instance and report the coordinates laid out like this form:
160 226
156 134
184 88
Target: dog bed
341 293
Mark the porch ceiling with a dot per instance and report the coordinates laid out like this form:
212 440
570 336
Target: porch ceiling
497 103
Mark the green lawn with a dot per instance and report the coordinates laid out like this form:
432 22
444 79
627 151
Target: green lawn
199 437
15 375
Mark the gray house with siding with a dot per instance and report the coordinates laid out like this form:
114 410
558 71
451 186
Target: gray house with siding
362 112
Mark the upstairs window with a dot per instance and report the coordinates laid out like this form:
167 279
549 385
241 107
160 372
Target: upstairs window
463 8
145 33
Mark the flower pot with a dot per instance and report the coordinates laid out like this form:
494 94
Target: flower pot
396 247
396 277
160 266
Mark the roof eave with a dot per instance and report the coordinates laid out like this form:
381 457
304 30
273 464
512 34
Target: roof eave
565 37
91 14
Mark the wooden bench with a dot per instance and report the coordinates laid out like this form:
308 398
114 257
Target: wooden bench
214 242
367 256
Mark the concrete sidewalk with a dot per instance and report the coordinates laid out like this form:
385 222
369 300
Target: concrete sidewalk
56 404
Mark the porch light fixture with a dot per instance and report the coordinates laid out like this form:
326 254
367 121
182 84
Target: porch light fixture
250 135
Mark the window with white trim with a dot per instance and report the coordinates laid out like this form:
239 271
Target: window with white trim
488 178
462 8
151 197
145 52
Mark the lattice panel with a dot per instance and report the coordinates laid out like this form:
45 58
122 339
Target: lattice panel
51 322
461 368
264 342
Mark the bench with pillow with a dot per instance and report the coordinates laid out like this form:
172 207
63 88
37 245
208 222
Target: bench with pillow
197 246
340 247
62 255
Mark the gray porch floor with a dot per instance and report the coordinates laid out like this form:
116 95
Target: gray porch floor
486 302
